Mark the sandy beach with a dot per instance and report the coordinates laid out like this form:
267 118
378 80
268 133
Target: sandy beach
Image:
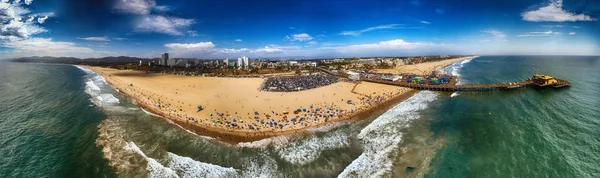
422 68
235 109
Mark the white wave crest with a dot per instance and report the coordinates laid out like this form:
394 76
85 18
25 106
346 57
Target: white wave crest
307 150
106 98
381 138
155 169
261 166
187 167
280 140
88 71
91 88
454 94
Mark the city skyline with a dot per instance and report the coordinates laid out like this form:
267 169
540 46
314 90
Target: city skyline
308 29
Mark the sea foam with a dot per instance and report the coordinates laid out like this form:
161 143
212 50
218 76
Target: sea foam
191 168
381 138
155 169
307 150
92 88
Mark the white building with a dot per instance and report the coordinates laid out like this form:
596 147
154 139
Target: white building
226 61
243 62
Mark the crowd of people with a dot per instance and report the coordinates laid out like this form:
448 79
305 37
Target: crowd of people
297 83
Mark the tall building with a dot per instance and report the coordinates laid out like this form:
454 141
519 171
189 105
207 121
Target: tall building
243 62
226 61
163 59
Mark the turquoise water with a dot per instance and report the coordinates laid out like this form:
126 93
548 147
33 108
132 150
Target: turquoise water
526 133
62 121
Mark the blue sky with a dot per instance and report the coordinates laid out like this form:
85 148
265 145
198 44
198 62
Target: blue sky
297 29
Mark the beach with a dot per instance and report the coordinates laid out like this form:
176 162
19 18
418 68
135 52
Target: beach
422 68
236 110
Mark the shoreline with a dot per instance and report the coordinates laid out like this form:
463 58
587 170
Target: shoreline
237 136
233 136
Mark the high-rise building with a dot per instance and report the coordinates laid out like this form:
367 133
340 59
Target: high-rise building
164 58
243 62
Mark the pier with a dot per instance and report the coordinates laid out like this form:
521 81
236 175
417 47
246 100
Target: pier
537 81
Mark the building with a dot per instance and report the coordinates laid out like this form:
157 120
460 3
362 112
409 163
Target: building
226 61
171 62
243 62
182 63
543 80
163 59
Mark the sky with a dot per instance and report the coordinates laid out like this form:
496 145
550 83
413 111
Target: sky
297 28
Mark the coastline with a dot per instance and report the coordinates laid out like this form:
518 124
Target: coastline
233 136
237 136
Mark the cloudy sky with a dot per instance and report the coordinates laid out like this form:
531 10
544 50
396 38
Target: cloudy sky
297 28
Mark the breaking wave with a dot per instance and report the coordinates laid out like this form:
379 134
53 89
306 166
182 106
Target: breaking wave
187 167
381 138
307 150
454 94
92 88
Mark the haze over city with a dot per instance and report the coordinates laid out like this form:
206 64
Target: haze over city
296 29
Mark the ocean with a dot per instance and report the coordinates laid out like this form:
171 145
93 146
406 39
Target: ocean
65 121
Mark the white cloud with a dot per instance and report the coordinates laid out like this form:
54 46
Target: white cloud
495 33
141 7
150 22
162 8
192 33
234 51
396 44
120 39
312 43
546 33
238 40
554 12
572 33
163 24
48 47
425 22
190 46
299 37
553 26
17 29
13 25
94 38
359 32
41 20
208 49
268 49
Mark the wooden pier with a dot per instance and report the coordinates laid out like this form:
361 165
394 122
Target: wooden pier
473 88
536 81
